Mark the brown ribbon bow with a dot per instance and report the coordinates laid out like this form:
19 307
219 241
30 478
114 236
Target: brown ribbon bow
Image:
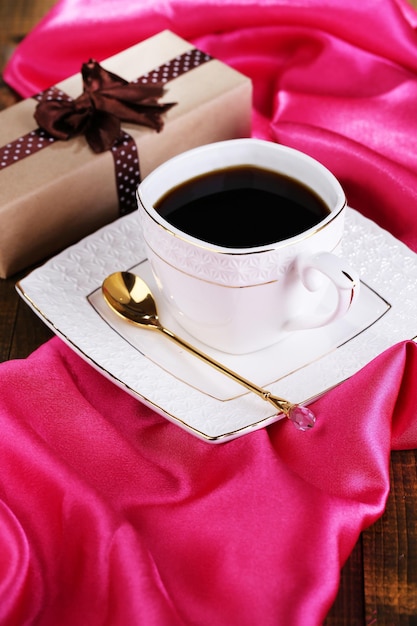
106 101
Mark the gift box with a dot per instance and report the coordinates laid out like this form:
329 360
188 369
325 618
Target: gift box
62 172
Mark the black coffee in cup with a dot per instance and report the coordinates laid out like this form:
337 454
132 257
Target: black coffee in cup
242 207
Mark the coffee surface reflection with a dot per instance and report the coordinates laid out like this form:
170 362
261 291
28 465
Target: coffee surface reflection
242 207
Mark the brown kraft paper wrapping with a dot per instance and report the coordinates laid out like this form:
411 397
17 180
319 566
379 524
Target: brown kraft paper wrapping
63 192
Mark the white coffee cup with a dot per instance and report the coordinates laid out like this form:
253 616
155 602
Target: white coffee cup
239 300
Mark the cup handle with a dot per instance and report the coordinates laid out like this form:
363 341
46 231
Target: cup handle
313 271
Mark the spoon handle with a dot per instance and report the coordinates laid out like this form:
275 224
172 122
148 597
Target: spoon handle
302 417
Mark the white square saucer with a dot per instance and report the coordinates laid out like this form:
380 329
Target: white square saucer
66 293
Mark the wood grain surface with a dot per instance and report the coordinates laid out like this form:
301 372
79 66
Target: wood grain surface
379 581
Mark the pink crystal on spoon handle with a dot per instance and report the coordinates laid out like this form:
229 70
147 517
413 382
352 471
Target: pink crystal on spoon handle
302 418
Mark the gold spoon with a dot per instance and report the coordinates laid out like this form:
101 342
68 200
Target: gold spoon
130 297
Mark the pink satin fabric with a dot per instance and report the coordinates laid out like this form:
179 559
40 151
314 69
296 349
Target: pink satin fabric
332 78
112 515
109 514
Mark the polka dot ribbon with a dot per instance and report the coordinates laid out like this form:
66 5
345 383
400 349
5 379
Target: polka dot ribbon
124 150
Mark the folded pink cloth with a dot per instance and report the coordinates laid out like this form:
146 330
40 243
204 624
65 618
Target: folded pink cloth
110 514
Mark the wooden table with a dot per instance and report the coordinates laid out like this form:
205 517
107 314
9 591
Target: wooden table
379 581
